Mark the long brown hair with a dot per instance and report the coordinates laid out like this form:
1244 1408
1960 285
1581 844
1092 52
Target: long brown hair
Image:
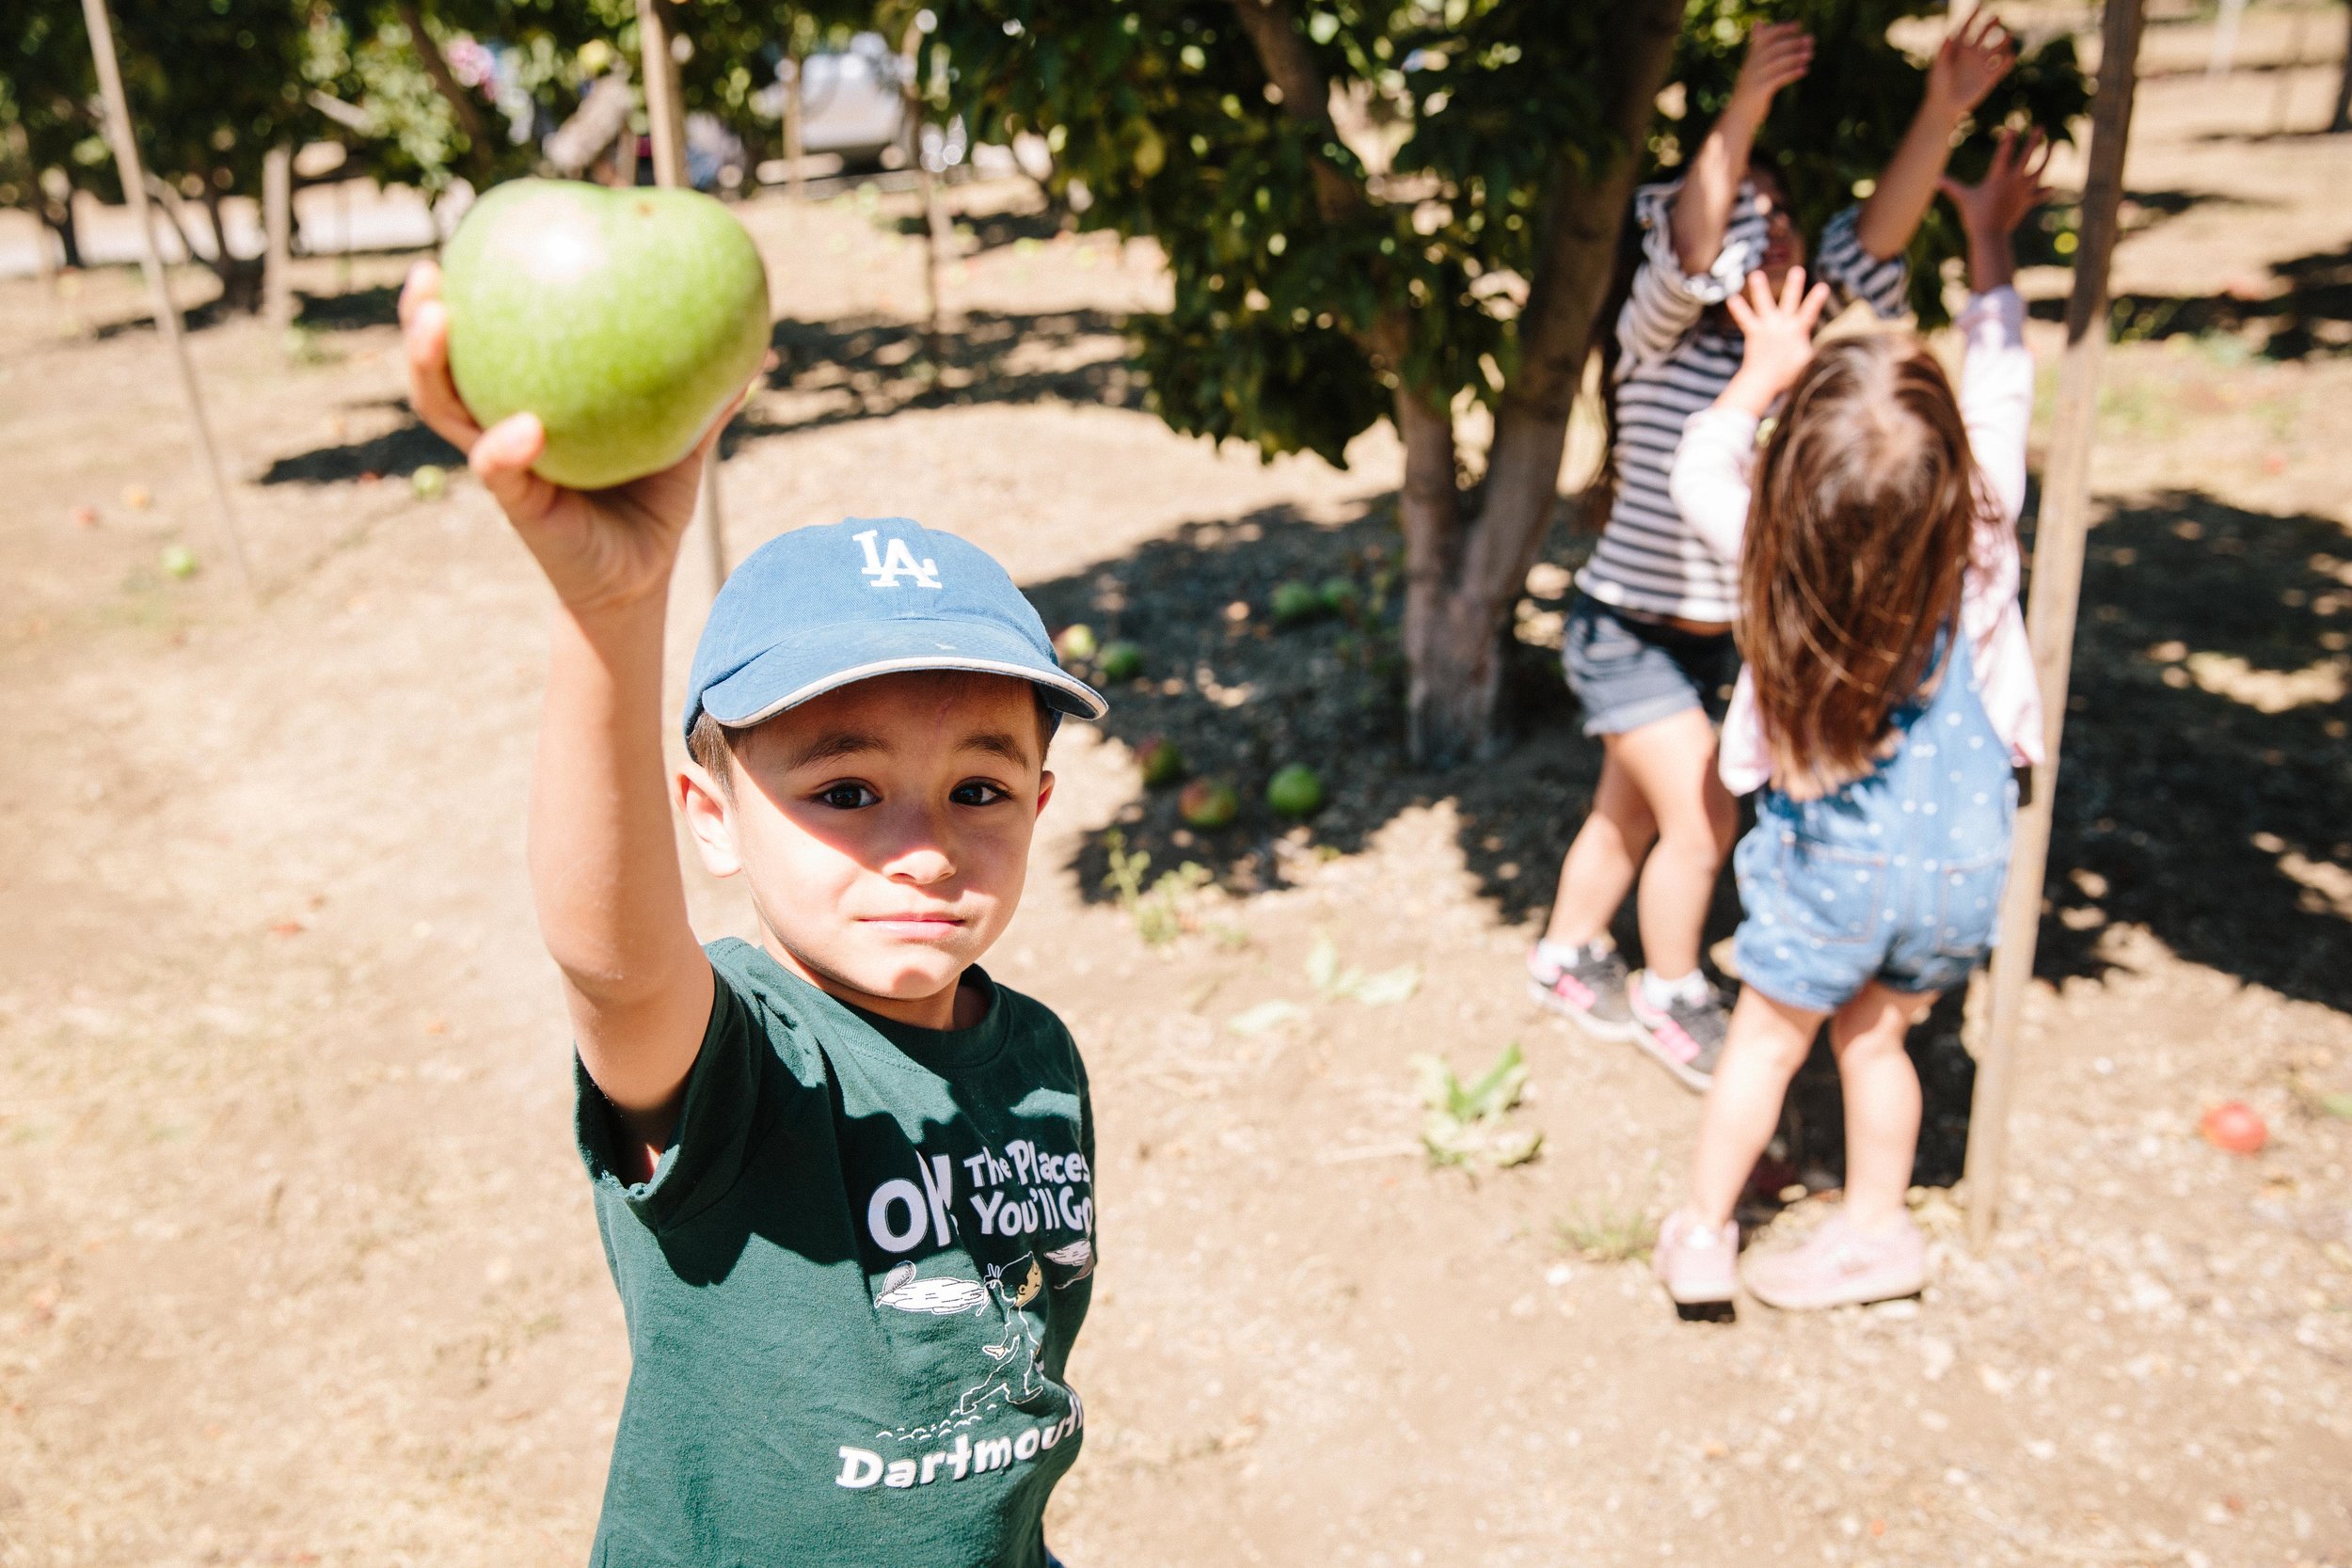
1865 503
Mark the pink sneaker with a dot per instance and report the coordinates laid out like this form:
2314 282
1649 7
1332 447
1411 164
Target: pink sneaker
1698 1267
1839 1266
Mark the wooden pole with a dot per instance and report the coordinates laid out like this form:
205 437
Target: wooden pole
668 114
796 180
2224 55
126 149
2058 575
278 230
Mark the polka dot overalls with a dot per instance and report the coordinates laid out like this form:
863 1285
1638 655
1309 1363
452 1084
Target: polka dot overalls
1898 875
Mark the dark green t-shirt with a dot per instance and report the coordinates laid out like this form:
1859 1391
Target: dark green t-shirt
851 1286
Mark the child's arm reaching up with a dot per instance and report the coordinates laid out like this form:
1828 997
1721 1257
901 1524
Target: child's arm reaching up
604 869
1974 58
1709 480
1779 52
1997 405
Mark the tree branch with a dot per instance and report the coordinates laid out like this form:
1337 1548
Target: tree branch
445 82
1306 97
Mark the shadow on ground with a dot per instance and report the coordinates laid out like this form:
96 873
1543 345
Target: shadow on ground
2305 311
395 454
2206 758
868 368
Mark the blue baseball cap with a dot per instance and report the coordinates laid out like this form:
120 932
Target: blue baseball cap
818 608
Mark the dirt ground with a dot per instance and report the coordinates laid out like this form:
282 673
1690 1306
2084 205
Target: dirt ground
297 1266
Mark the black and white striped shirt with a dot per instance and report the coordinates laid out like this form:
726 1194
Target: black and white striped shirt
1670 365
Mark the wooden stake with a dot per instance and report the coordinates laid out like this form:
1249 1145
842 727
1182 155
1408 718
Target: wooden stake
2058 575
2224 55
796 180
278 230
664 107
102 44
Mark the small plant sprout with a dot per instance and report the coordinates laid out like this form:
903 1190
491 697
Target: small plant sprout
1333 982
1467 1124
1604 1233
1157 908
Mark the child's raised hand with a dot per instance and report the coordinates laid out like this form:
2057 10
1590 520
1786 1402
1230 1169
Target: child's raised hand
601 548
1971 61
1779 334
2012 188
1779 52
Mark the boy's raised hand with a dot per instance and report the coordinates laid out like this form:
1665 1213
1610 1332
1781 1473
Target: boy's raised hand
1971 61
1779 339
599 549
1779 52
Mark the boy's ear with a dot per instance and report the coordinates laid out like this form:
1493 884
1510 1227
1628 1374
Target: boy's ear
1044 788
704 804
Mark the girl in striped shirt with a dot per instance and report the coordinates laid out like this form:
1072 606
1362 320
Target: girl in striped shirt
1649 649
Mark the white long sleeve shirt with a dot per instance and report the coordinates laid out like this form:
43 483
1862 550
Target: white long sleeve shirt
1710 483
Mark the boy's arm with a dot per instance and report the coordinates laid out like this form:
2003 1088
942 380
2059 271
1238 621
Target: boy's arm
1972 61
1779 52
604 868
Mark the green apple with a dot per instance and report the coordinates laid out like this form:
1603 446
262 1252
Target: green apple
1294 791
1207 804
179 560
1119 662
1162 763
1076 643
626 320
1295 602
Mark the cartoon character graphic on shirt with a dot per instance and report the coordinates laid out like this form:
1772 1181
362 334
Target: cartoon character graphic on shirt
1016 1370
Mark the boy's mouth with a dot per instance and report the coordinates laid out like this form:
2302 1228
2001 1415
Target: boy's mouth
917 927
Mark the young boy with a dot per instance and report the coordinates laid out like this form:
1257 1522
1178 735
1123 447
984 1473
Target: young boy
844 1178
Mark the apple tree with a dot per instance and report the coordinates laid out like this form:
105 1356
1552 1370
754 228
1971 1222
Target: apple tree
1410 210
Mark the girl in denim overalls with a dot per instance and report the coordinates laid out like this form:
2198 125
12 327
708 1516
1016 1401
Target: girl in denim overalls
1889 693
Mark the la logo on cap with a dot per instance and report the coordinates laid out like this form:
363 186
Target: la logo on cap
884 569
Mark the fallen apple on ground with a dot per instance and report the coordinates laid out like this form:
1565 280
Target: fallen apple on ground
1076 642
1119 662
626 319
1294 791
179 560
2235 1126
1162 763
1207 804
1295 602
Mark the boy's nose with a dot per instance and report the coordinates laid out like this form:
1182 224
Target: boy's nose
920 861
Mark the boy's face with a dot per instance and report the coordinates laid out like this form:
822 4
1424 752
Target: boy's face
1784 245
884 829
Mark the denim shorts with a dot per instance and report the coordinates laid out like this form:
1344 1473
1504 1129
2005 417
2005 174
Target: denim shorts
1627 672
1896 878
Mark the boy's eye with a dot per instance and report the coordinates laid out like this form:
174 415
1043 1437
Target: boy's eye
979 792
847 797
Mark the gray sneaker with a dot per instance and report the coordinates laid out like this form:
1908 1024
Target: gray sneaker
1589 993
1686 1037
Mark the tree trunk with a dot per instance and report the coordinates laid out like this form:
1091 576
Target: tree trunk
795 155
1465 565
2342 119
58 217
240 276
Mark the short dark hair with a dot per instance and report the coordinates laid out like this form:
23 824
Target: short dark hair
711 744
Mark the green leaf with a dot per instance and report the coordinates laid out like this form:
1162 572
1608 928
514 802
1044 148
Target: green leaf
1265 1016
1323 963
1389 987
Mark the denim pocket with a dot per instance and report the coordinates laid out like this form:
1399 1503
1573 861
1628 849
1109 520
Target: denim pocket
1835 897
1968 906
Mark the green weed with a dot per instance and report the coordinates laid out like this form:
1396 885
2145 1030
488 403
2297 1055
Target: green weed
1604 1233
1156 909
1467 1124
